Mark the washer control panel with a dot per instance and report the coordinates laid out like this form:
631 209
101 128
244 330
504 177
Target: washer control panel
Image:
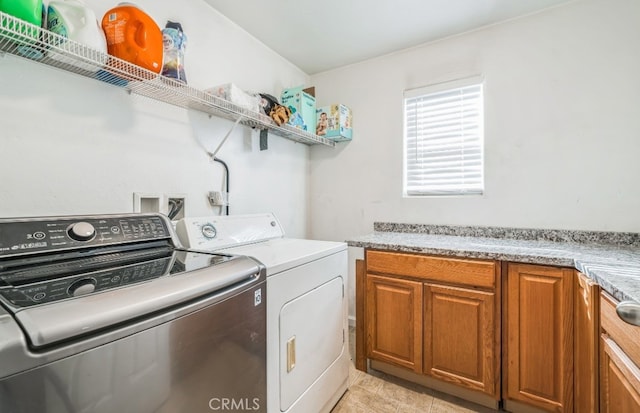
26 236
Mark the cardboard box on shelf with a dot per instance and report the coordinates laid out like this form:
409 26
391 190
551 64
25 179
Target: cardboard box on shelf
302 103
335 122
234 94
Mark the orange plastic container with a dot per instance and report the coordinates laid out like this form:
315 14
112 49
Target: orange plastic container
132 35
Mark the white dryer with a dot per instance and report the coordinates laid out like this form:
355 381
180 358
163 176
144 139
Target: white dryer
307 332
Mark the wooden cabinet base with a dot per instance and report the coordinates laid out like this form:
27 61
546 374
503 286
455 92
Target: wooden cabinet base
454 390
518 407
435 317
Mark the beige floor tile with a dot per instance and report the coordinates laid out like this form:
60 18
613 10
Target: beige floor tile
443 403
404 396
409 409
354 374
348 405
441 406
369 382
359 396
351 408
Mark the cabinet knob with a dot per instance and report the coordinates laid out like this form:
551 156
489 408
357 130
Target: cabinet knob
629 312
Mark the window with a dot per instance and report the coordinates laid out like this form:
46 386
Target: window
443 139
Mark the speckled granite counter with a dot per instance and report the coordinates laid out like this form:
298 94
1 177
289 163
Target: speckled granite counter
611 259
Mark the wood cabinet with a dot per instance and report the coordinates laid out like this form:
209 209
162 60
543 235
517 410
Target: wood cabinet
626 336
460 337
620 380
451 271
547 334
619 359
586 338
436 316
539 336
394 321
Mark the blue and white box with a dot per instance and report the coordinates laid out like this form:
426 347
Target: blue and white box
302 105
335 122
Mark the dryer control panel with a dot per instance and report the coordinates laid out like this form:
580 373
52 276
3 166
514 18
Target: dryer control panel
224 231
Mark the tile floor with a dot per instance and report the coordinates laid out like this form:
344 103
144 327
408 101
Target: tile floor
376 392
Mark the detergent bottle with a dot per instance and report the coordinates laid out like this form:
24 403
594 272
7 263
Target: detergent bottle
27 10
30 11
71 19
175 43
132 35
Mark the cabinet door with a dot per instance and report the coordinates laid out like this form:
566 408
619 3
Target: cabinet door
619 380
539 321
586 330
394 321
459 337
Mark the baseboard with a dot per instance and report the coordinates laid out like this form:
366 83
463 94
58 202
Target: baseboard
516 407
470 395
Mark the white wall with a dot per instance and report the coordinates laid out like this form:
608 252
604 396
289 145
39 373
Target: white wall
562 137
70 145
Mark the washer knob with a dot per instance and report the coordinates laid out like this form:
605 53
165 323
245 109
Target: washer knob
209 231
81 231
81 287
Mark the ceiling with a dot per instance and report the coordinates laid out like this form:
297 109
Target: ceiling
322 35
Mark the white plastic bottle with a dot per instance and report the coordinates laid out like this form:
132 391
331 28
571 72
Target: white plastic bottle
75 21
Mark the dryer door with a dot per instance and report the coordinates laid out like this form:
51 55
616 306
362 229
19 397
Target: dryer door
311 338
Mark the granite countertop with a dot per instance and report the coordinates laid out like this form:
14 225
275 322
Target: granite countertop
612 259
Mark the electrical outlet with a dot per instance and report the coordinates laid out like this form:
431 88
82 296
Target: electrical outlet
175 205
216 198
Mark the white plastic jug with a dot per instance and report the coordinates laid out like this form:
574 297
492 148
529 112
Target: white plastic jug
73 20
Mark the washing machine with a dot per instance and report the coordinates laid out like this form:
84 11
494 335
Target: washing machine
307 331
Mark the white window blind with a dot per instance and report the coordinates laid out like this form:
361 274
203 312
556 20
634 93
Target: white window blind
443 139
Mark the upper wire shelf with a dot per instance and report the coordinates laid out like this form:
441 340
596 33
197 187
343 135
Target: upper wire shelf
26 40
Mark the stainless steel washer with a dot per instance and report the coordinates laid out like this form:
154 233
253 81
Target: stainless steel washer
108 314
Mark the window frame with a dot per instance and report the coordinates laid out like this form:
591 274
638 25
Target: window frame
434 89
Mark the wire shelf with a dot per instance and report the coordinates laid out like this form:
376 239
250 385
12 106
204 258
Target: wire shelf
26 40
